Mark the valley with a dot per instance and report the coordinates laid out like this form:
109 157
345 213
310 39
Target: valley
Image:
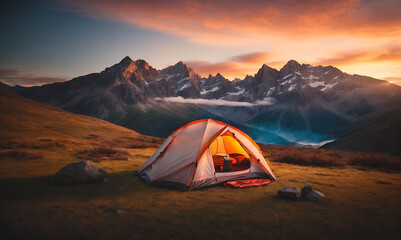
37 140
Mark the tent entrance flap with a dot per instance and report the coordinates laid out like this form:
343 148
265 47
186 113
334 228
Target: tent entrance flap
228 155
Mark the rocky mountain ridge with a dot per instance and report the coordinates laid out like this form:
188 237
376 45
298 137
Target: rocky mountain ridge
297 98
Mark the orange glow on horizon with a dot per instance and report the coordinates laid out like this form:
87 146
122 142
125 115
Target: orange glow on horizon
348 34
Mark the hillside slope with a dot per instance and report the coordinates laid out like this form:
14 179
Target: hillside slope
34 131
374 133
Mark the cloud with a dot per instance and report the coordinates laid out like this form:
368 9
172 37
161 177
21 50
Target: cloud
389 54
251 58
16 76
218 102
237 21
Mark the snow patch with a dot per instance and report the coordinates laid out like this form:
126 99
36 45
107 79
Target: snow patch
328 86
310 78
289 81
203 92
183 87
317 84
292 87
236 93
271 90
325 86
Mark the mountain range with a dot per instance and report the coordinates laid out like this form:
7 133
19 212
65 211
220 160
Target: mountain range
299 104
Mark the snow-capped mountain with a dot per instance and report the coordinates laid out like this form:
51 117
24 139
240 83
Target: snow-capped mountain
298 103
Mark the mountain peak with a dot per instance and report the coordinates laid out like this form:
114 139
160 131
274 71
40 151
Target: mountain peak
292 64
142 64
290 67
180 63
126 60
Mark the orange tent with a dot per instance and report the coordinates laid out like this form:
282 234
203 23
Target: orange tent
203 153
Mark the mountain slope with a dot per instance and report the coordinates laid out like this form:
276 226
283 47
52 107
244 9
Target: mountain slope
373 133
29 124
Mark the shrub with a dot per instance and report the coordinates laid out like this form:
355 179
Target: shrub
308 159
375 161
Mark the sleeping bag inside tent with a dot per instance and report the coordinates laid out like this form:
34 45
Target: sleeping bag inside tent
203 153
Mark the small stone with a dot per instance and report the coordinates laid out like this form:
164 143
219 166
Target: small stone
305 190
316 196
291 193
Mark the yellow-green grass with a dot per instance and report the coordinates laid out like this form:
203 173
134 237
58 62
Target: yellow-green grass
363 204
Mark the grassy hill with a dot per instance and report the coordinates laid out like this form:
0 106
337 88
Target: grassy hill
36 140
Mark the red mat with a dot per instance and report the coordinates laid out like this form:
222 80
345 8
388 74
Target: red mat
247 183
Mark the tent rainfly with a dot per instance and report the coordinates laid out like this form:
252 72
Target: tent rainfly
203 153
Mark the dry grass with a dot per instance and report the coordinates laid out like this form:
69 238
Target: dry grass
379 161
308 159
20 155
105 153
331 158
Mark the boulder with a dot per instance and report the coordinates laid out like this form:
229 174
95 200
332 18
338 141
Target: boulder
305 190
291 193
316 196
81 172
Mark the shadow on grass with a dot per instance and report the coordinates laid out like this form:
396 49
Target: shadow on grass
40 188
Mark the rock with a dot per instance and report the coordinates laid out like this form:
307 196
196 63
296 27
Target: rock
305 190
316 196
287 192
81 172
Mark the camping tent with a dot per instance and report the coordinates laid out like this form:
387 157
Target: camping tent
203 153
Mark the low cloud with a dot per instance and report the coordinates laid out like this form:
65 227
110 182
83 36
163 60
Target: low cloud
16 76
218 102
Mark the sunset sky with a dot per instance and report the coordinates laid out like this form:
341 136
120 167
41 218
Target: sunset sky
47 41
